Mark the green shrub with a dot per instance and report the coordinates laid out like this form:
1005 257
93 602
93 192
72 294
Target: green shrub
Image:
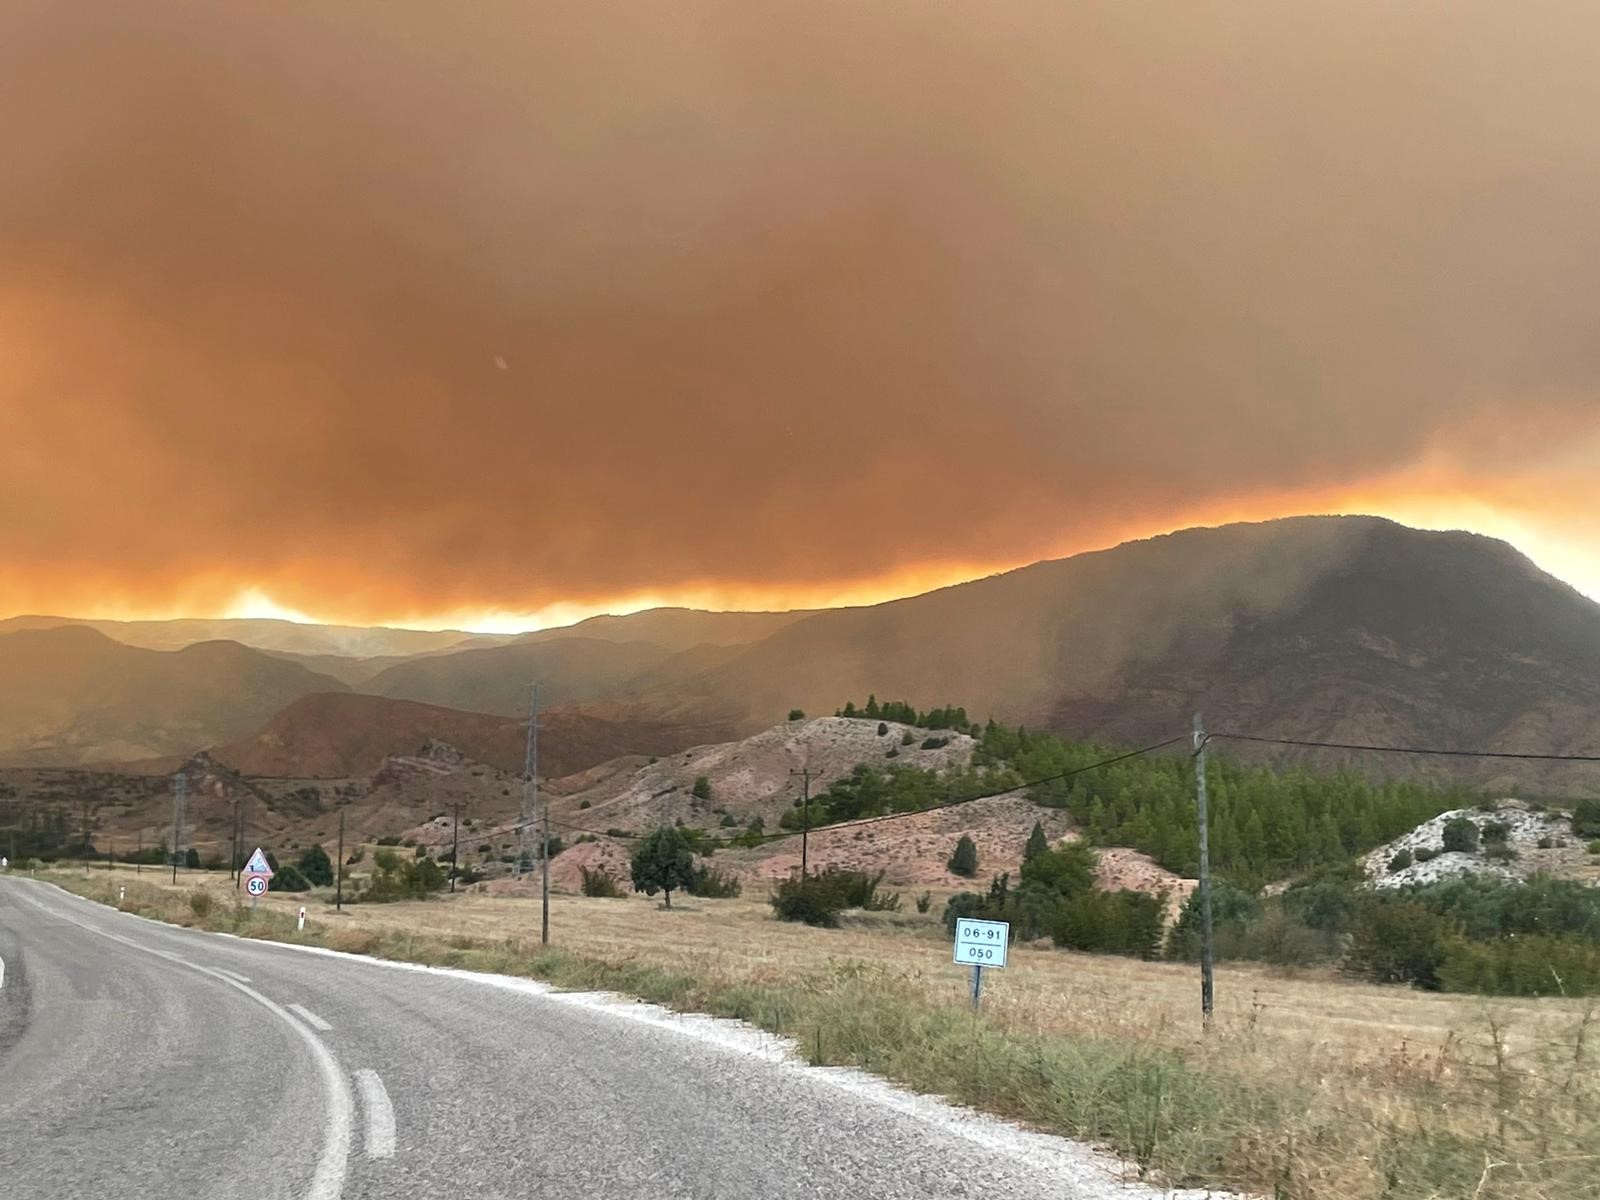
191 859
819 899
663 862
585 804
924 902
1037 843
964 859
1400 861
701 789
200 903
908 738
883 729
1427 854
1539 965
1397 941
316 866
1546 843
935 743
729 821
711 884
797 714
1124 922
1586 819
598 883
1461 835
289 879
1594 846
1495 832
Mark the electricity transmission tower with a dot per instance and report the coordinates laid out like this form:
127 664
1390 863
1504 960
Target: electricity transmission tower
530 785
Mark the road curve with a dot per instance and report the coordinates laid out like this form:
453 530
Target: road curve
143 1059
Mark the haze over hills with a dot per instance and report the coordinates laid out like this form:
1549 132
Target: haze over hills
1338 628
70 694
290 637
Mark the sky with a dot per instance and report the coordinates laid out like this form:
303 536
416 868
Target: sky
499 314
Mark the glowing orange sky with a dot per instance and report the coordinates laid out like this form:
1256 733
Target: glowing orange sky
497 315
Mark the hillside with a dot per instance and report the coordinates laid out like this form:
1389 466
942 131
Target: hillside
289 637
72 695
340 734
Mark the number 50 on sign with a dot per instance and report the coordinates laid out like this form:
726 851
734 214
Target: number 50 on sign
981 943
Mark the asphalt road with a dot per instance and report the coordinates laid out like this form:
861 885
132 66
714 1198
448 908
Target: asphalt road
139 1059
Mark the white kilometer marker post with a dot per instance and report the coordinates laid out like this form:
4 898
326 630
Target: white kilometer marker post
302 923
380 1114
981 944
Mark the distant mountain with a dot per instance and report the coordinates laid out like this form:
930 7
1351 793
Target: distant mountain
496 680
339 734
676 628
287 636
70 695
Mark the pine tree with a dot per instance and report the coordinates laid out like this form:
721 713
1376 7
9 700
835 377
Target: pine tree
964 861
1037 843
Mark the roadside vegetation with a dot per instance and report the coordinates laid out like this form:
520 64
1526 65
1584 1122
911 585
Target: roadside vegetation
1307 1088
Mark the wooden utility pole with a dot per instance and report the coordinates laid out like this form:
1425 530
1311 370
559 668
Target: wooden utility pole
805 815
338 870
455 846
1206 990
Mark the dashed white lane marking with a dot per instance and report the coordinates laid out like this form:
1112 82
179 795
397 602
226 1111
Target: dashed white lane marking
310 1018
380 1114
2 972
327 1181
234 975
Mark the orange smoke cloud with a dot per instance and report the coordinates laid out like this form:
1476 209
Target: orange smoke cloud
429 314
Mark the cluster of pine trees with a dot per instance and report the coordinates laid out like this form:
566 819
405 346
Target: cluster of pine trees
906 714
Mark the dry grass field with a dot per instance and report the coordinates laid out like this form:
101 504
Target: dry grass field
1306 1087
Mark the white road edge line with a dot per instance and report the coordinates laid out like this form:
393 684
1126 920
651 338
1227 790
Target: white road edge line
310 1018
328 1180
380 1114
233 975
2 972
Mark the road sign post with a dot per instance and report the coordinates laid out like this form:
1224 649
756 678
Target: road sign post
981 944
256 873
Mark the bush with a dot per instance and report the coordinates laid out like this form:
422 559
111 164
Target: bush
289 879
883 729
582 804
1037 843
892 752
1427 854
395 878
711 884
907 738
1540 965
729 821
316 866
964 860
1495 833
1400 861
599 883
1586 819
1124 922
1397 941
663 862
819 899
1594 847
1546 843
924 902
797 714
200 903
191 859
935 743
701 789
1461 835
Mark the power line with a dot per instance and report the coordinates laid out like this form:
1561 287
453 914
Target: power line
1419 750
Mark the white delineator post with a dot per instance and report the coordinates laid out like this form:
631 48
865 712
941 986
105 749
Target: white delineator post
302 922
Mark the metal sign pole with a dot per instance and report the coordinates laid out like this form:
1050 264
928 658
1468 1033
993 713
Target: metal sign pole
977 984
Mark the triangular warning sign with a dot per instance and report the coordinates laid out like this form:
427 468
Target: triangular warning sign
257 864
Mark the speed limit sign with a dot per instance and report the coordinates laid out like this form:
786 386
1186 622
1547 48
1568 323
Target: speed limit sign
256 885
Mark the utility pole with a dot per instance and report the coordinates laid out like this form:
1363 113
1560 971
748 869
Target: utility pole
180 786
87 853
805 815
138 858
1206 989
455 846
338 870
530 784
233 842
